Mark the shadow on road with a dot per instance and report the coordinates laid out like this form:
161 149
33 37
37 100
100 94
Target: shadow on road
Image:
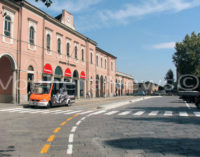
174 119
184 146
4 153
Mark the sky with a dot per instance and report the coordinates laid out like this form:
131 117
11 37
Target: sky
141 33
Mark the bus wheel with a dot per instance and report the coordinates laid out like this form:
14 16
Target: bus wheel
68 103
49 105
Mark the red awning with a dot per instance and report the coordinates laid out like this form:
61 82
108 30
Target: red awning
83 75
68 73
48 69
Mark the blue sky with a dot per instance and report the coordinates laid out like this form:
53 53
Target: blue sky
142 34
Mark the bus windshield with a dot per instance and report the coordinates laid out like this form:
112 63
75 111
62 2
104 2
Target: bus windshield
41 88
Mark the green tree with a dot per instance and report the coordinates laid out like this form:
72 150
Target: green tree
46 2
187 55
169 77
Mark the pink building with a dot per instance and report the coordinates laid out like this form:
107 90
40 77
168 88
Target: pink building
35 46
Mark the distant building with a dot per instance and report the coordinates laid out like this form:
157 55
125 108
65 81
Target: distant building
148 87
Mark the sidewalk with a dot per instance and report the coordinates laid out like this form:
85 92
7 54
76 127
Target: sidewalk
79 102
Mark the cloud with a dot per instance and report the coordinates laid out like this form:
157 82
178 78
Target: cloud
167 45
148 7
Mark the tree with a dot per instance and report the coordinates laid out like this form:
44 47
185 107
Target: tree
187 55
169 81
46 2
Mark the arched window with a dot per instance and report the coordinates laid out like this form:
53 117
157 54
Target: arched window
102 62
59 46
105 64
68 49
76 52
91 58
97 60
7 26
83 54
31 35
112 66
48 42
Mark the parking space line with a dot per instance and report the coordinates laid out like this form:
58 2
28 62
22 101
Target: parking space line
124 113
197 114
168 113
111 113
183 114
153 113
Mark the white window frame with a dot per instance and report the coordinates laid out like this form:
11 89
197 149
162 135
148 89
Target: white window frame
10 13
33 24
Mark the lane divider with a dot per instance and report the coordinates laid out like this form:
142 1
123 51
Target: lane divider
51 138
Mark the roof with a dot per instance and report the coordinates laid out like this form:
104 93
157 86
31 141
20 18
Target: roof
106 53
24 3
124 75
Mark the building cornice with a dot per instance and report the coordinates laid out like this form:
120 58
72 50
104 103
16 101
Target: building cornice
124 75
51 19
106 53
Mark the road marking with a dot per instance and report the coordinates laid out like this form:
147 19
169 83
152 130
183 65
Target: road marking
57 130
183 114
111 113
70 118
74 129
83 118
51 138
79 122
63 123
70 149
45 149
71 138
9 109
153 113
59 112
197 114
98 112
188 106
139 113
86 112
124 113
168 113
73 112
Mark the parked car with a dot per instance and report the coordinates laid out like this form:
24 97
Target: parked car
140 93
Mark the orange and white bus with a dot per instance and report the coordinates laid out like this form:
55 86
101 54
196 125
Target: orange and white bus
52 93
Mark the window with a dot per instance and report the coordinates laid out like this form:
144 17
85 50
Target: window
102 62
91 58
48 41
31 35
59 46
76 53
105 64
112 66
7 26
97 60
83 54
68 49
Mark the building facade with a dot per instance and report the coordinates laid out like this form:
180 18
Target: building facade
35 46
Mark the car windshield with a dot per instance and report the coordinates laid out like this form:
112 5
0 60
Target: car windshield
41 88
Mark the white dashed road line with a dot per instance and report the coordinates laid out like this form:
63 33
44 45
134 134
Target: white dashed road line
70 149
111 113
197 114
188 106
153 113
124 113
74 129
139 113
168 113
183 114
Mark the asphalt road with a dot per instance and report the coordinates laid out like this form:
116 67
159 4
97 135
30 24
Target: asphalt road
164 126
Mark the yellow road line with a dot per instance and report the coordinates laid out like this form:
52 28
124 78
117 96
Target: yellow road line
70 118
76 115
57 130
51 138
45 149
63 123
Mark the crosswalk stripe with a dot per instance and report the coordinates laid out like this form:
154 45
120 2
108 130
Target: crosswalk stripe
86 112
153 113
73 112
168 113
183 114
139 113
111 113
62 112
197 114
98 112
10 109
124 113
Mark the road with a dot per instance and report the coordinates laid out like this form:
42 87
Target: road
160 126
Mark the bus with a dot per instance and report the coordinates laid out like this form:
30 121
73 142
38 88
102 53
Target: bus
52 93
